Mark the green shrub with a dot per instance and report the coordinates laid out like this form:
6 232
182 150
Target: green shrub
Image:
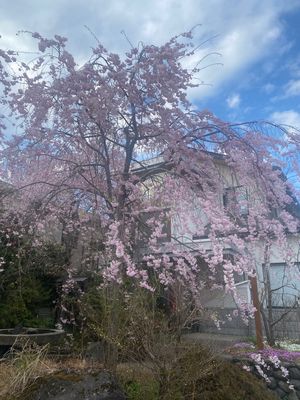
28 279
226 382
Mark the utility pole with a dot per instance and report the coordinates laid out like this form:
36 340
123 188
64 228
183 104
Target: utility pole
257 316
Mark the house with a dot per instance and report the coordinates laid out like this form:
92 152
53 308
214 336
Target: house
278 283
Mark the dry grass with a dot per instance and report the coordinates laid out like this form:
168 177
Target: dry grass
23 365
6 372
26 362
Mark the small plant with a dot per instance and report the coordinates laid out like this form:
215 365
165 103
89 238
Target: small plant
137 381
133 389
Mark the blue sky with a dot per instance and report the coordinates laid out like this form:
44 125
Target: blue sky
258 42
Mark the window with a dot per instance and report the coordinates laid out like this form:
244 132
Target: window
235 200
145 228
285 285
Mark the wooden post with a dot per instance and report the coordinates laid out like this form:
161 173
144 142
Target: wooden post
257 316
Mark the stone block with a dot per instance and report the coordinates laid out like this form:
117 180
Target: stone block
295 383
294 372
284 386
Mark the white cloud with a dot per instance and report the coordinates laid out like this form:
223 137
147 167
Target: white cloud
249 30
233 101
292 88
269 88
289 117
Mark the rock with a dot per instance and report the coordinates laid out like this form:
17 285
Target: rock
95 351
293 396
284 386
278 375
64 386
272 384
294 373
295 383
281 393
